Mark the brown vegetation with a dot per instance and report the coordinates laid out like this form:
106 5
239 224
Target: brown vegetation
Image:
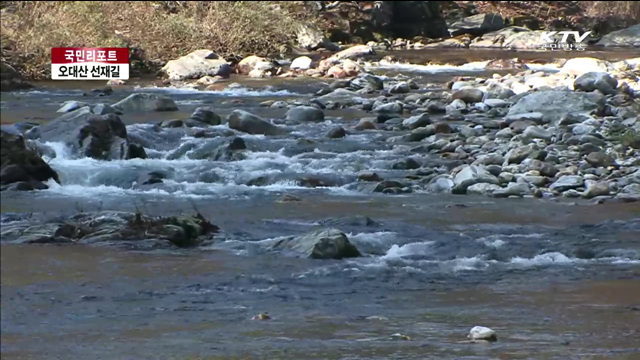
162 29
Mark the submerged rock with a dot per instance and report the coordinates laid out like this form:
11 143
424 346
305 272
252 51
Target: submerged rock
482 333
21 165
319 244
102 137
252 124
114 227
145 102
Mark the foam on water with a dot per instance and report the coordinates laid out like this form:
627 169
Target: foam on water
380 237
472 66
411 249
230 91
40 93
551 258
497 240
544 67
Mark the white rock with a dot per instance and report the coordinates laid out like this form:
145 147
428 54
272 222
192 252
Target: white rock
582 65
482 333
302 63
519 88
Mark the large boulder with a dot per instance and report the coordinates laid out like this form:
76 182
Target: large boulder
596 81
477 24
10 79
319 244
310 38
21 164
145 102
102 137
110 228
203 116
196 65
256 63
350 53
252 124
471 175
302 114
512 37
417 18
556 104
582 65
629 37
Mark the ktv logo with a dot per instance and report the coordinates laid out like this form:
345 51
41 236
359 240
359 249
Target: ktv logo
552 40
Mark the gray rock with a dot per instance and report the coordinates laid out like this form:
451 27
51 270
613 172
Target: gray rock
512 37
72 105
342 97
205 115
468 95
573 118
490 159
145 102
513 189
592 81
555 104
477 24
319 244
542 167
455 106
441 184
535 117
367 81
196 65
517 155
538 181
252 124
629 37
519 126
102 137
599 159
400 88
302 114
505 133
483 189
498 91
336 132
103 109
471 175
388 108
461 85
311 38
21 164
496 103
595 188
365 124
567 182
416 121
536 132
582 129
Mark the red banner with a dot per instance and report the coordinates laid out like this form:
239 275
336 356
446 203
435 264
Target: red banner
89 55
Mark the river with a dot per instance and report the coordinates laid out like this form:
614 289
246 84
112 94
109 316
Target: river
555 278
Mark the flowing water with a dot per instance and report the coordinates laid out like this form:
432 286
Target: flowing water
555 279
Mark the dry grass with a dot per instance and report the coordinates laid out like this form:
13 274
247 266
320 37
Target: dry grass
163 29
625 10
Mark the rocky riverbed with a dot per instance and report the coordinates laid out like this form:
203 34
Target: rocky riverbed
397 182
